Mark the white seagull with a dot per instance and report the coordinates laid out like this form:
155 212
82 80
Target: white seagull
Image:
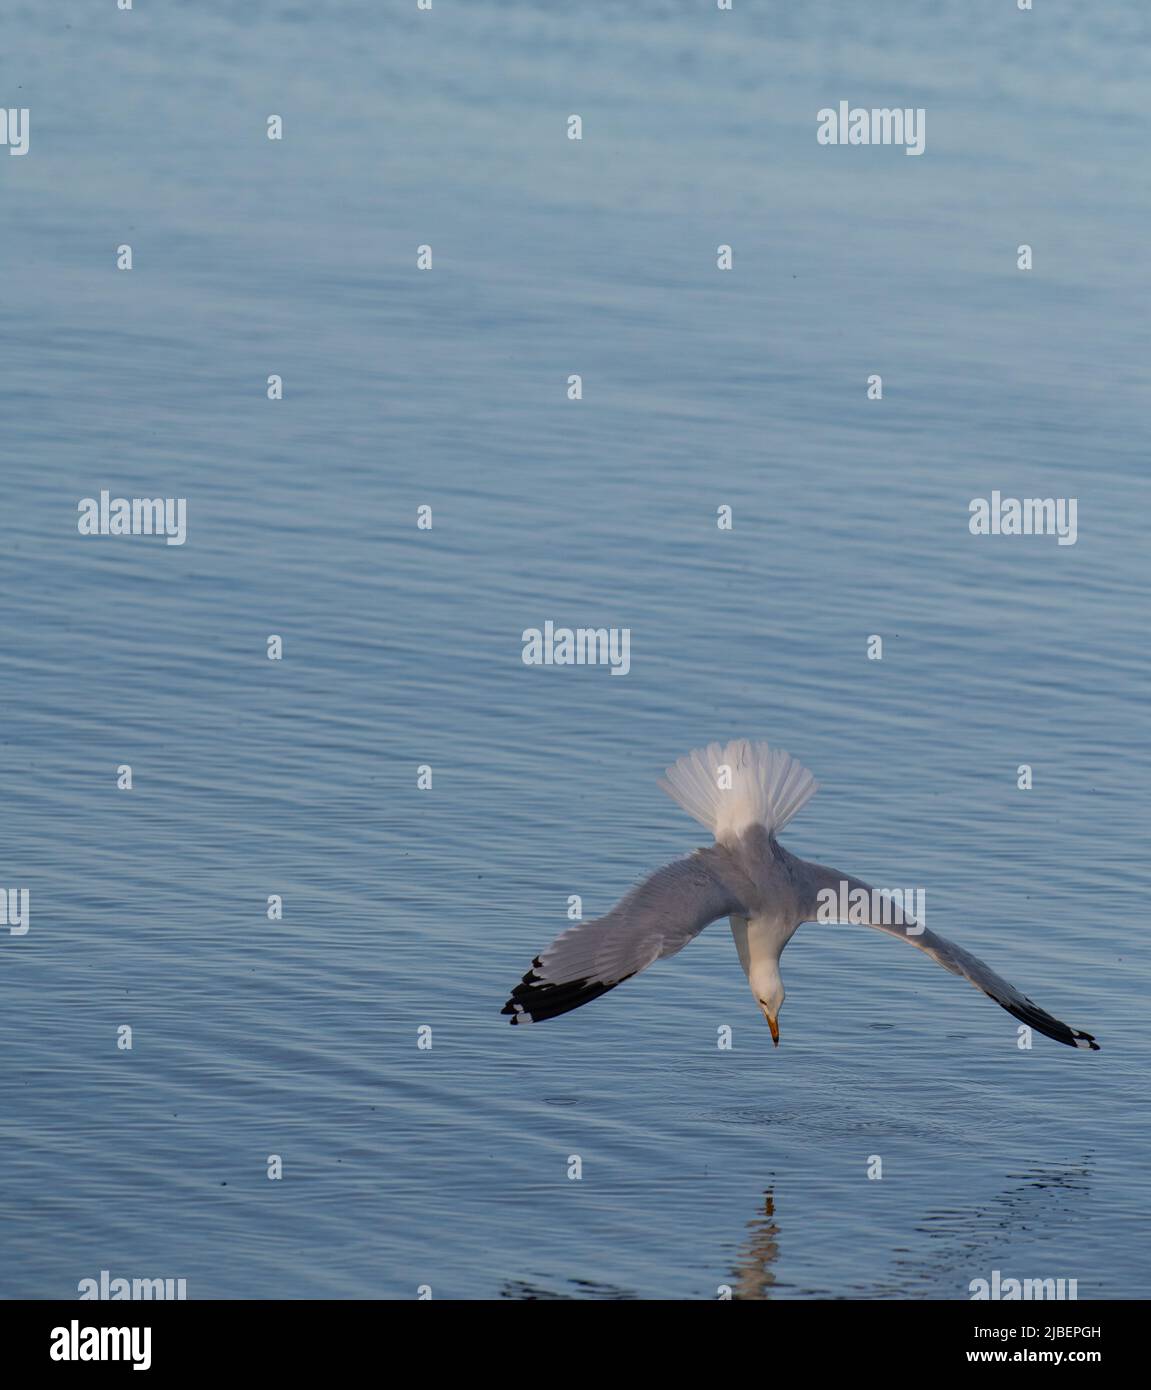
745 794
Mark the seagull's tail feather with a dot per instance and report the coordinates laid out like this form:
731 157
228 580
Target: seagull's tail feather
731 788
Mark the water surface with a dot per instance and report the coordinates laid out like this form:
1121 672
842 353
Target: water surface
702 1168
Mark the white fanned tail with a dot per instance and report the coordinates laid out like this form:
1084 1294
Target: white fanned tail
731 788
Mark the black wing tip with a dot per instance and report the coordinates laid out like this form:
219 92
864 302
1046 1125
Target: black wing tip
535 999
516 1010
1042 1022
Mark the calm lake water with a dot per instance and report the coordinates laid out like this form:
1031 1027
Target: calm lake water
406 908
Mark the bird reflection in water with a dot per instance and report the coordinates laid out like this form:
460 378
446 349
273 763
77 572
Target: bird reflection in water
753 1276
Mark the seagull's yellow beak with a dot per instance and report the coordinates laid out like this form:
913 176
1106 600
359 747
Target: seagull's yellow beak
773 1024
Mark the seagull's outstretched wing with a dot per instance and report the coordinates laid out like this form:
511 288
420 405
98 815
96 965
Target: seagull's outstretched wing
657 918
961 962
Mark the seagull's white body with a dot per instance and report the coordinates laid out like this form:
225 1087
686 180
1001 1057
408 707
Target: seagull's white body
760 942
744 793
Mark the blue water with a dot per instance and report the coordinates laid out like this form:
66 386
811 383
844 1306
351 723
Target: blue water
403 908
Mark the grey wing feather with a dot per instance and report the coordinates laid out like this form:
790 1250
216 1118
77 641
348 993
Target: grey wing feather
958 961
961 962
655 919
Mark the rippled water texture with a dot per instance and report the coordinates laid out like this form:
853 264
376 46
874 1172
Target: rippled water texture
404 908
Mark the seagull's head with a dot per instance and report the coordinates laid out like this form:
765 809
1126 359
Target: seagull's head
771 1001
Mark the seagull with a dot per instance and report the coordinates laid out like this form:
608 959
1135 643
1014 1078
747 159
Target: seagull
744 793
